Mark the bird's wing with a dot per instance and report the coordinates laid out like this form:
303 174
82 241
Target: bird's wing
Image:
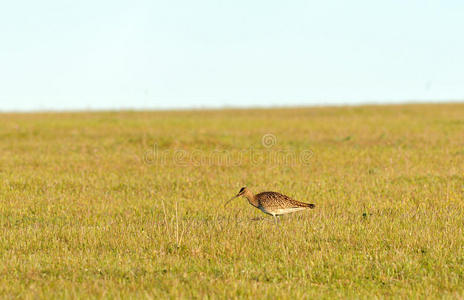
278 200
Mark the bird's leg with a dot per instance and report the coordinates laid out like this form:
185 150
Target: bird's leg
275 219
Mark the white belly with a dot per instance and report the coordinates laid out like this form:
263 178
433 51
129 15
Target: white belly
284 211
281 211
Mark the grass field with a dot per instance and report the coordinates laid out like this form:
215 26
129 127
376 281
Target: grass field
129 204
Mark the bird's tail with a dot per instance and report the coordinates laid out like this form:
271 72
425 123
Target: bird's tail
310 205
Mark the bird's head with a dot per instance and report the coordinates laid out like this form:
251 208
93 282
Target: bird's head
242 191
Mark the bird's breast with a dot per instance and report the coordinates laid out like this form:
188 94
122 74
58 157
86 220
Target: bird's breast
264 210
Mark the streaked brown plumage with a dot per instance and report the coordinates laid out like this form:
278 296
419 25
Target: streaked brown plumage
272 203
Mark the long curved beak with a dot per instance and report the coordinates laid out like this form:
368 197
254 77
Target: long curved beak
228 201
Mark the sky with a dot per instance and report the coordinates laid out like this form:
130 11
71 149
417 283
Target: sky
65 55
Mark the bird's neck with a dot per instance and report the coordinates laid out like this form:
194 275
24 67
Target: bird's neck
251 199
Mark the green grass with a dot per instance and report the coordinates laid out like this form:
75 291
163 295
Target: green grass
129 204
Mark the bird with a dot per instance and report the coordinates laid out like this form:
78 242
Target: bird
272 203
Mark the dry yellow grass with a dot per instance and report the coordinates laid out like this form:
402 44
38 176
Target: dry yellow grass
129 204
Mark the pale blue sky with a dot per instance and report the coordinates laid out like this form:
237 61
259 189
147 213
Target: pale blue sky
59 54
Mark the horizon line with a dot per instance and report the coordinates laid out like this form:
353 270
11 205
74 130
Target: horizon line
233 107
